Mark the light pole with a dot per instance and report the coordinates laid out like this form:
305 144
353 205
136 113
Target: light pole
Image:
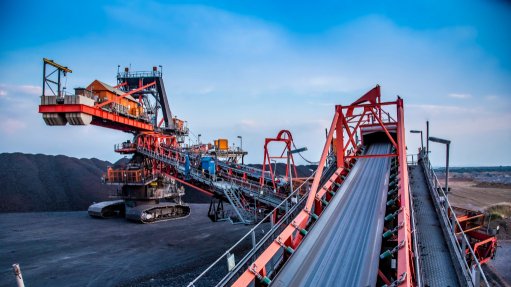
427 139
422 141
289 153
241 149
274 166
447 144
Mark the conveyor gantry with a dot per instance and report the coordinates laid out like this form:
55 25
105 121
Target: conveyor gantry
344 245
358 226
349 233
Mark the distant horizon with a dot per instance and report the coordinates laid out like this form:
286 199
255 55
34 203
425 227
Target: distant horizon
250 163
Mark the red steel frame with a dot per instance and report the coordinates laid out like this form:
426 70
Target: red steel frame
284 136
146 137
472 224
484 247
117 122
347 149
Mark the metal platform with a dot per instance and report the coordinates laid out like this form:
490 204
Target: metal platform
436 264
344 245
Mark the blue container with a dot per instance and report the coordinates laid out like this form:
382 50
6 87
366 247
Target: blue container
211 168
187 165
205 162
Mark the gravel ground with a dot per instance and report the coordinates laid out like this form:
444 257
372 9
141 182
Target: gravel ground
72 249
501 264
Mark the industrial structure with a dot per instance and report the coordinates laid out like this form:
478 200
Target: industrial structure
150 187
366 217
371 218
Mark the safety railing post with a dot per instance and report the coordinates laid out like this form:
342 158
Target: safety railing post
463 248
19 277
453 223
476 276
253 240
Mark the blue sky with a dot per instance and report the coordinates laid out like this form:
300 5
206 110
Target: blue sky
253 68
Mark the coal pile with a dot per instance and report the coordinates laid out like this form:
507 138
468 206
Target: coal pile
36 182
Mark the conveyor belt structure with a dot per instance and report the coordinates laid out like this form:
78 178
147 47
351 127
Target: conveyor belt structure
344 245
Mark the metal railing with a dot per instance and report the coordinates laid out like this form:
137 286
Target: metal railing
259 237
123 176
412 159
125 146
472 270
416 249
139 74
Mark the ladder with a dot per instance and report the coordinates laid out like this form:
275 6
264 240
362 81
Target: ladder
243 215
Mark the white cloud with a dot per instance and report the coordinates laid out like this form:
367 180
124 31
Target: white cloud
6 89
248 123
29 89
459 96
11 126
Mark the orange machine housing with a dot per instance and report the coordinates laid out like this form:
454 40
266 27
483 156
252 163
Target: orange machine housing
102 92
222 144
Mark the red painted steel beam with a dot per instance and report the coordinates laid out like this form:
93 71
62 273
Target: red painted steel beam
404 254
339 123
288 140
351 137
321 192
96 112
209 193
321 165
359 122
383 278
120 85
385 129
258 267
379 105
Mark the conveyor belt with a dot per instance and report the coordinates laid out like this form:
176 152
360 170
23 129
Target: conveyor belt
343 247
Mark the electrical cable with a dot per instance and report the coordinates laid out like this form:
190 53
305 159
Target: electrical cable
300 154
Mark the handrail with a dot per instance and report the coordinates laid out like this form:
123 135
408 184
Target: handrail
437 186
253 229
139 74
418 275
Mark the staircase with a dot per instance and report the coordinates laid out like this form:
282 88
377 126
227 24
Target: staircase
244 216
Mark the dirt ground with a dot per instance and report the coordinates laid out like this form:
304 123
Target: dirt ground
476 196
72 249
473 195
